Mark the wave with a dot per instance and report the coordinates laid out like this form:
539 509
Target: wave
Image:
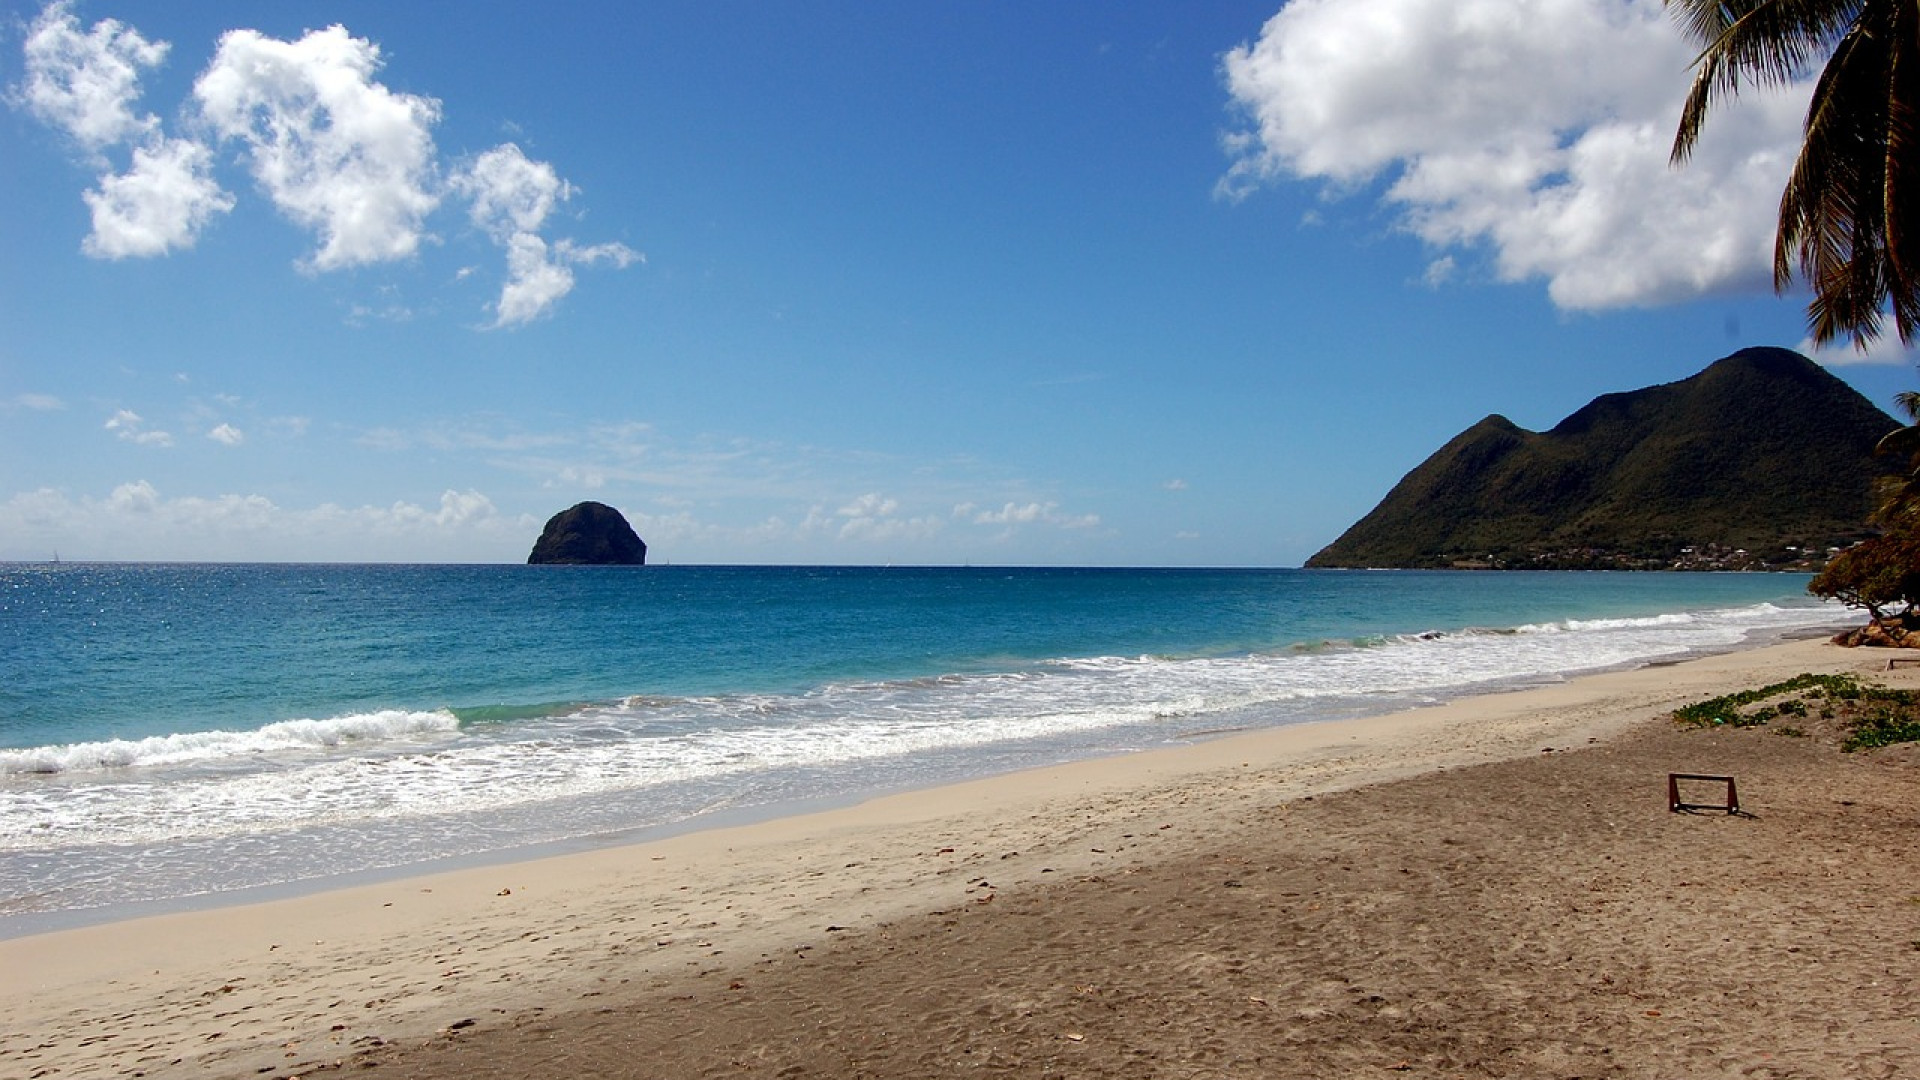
1123 689
1668 619
655 756
202 746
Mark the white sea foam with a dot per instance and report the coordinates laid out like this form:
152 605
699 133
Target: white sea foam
205 746
388 787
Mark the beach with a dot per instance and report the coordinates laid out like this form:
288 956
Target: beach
1491 887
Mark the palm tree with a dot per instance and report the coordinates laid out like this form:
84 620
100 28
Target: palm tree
1900 494
1850 215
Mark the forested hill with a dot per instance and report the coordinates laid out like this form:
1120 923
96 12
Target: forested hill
1763 460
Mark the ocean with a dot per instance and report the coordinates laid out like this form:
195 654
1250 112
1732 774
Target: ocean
174 735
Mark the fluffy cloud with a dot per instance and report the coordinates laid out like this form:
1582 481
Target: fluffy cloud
510 193
161 203
535 282
337 151
1537 128
85 85
510 197
135 498
227 435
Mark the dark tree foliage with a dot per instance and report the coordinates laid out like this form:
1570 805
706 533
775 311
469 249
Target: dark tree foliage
1875 574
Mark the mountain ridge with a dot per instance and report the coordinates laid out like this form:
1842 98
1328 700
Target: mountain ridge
1764 460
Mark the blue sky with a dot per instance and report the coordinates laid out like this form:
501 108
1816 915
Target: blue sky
990 283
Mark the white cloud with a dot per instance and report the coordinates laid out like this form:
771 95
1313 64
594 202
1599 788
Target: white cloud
337 151
1011 514
456 508
227 435
128 426
870 505
1029 513
619 255
1175 484
511 193
1884 350
85 84
135 498
510 198
1538 128
869 518
39 402
534 282
161 203
137 521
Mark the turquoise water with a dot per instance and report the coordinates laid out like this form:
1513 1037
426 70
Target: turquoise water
171 731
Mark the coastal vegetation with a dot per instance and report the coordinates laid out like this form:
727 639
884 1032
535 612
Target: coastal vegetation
1884 570
1877 574
1847 214
1860 715
1763 461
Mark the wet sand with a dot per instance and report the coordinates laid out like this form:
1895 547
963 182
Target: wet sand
1490 888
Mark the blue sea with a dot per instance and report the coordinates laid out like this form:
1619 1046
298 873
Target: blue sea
171 734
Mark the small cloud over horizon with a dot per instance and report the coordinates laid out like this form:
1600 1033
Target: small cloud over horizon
136 521
128 426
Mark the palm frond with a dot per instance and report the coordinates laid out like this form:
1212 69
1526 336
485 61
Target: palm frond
1902 190
1833 211
1763 42
1848 215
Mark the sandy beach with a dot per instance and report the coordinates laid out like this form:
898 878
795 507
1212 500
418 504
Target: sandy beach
1493 887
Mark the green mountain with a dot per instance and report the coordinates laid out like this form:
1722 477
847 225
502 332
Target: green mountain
1763 460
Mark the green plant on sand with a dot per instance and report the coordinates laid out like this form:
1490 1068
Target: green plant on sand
1869 716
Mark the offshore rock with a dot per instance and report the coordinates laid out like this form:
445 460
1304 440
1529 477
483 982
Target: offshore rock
588 534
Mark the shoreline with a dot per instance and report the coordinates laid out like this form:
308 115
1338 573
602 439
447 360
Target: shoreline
306 980
27 923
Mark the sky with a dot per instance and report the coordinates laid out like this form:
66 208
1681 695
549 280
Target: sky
989 283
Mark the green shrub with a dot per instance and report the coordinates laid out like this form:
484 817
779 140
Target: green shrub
1873 716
